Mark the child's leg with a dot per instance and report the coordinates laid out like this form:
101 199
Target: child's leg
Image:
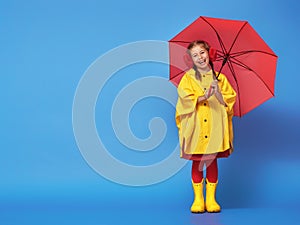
197 171
212 171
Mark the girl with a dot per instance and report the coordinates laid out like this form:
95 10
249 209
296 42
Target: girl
204 119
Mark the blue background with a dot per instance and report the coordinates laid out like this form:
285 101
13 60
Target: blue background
45 48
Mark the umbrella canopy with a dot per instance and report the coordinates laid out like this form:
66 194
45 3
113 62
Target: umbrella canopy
242 56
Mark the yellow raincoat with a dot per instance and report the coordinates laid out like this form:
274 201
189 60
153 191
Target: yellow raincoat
206 127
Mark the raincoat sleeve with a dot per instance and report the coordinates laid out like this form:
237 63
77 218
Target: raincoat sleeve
187 99
228 93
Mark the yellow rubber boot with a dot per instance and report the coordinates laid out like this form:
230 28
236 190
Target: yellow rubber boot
211 205
198 205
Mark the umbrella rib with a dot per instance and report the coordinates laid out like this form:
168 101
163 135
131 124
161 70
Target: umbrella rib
181 41
234 60
239 63
236 54
224 51
237 84
247 67
178 74
219 38
237 36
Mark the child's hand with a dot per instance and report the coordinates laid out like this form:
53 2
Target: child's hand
215 87
210 92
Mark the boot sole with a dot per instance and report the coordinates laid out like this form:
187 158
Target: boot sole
213 211
198 212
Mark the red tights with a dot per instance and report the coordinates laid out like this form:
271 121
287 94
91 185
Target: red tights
211 171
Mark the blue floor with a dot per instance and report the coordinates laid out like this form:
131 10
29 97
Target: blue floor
95 215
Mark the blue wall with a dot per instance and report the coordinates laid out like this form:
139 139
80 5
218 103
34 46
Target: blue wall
47 46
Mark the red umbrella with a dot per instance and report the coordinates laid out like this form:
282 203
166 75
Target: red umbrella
242 56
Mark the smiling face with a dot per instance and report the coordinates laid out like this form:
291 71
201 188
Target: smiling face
200 58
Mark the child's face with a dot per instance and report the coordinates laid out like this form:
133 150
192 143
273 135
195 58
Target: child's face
200 57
